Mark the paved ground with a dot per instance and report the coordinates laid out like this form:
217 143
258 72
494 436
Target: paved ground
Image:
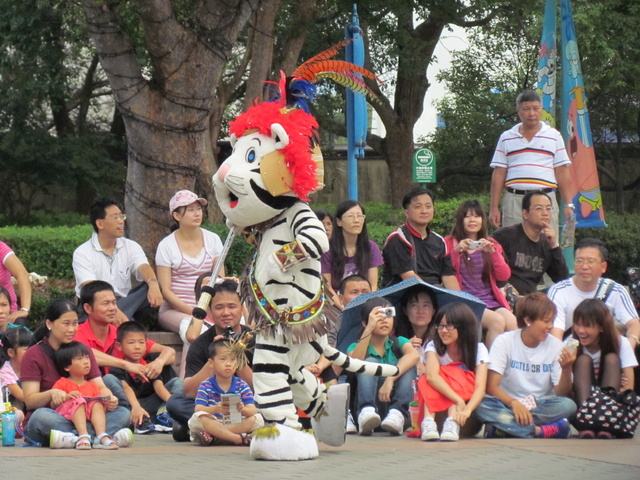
378 457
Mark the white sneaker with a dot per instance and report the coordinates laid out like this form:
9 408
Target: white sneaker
58 439
123 437
352 429
450 431
368 420
429 430
394 422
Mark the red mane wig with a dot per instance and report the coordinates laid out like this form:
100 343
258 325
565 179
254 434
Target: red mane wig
301 128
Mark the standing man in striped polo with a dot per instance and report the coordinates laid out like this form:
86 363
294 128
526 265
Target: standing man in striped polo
529 157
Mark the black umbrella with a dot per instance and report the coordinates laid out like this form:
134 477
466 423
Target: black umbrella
352 324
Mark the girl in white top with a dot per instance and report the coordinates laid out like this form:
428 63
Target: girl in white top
605 358
456 368
182 256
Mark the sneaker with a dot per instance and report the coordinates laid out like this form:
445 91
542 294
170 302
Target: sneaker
429 430
450 431
368 420
180 432
164 419
123 437
604 435
492 432
559 429
393 422
352 429
145 427
162 428
586 434
58 439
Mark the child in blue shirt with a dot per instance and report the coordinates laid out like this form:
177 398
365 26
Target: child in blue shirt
210 424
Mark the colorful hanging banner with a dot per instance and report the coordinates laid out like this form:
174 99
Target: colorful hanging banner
576 129
547 64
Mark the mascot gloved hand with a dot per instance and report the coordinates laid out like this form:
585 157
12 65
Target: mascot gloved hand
262 187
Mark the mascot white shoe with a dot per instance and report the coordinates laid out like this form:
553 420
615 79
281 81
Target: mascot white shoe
262 188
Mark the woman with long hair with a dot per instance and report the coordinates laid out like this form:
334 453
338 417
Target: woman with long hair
456 372
479 263
350 250
605 357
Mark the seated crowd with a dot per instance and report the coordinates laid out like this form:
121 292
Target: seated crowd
90 377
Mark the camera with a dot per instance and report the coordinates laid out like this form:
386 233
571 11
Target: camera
475 245
389 311
229 334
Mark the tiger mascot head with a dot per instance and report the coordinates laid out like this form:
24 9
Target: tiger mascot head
276 162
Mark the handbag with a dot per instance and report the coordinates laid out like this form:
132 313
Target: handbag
608 410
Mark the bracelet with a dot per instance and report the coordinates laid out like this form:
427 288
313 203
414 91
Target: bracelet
152 280
635 338
570 205
24 309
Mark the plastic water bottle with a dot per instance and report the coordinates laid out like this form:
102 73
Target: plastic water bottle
8 429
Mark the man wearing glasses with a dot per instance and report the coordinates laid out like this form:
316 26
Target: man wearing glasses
531 247
110 257
531 156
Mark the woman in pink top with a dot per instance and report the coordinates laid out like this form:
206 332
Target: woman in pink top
11 266
182 256
479 263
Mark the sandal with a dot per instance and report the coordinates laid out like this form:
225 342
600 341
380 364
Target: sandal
204 439
83 442
246 439
104 442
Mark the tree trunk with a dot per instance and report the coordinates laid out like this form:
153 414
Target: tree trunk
166 117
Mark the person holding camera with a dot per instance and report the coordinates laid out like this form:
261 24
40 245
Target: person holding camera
225 311
479 263
386 395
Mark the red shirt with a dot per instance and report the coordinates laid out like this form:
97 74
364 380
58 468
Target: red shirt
86 336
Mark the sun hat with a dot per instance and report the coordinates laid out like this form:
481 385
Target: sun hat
184 198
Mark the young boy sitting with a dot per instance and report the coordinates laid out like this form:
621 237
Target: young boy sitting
145 397
213 422
387 395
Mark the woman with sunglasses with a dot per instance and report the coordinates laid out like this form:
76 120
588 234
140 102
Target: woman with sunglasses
456 373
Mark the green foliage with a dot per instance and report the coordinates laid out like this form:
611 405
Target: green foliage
42 295
46 250
45 218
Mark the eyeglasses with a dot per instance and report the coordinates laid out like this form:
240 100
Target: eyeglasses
117 217
586 261
539 209
353 216
446 326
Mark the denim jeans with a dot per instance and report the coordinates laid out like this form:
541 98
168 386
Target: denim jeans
549 410
153 402
114 384
45 419
180 407
401 395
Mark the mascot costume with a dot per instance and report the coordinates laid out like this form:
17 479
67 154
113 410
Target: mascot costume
262 189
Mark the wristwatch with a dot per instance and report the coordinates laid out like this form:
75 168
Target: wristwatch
24 309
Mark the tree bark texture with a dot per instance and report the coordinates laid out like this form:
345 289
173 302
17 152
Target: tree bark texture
166 112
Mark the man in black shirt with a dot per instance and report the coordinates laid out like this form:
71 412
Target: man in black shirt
225 310
413 250
531 247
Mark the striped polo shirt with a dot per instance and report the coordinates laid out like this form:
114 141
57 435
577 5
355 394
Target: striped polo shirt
530 165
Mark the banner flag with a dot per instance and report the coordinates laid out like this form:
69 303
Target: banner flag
547 65
576 130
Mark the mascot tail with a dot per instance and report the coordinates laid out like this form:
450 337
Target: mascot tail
358 366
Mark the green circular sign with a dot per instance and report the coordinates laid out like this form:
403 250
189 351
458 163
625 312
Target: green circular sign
424 166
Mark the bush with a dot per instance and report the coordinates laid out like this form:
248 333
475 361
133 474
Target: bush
46 250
